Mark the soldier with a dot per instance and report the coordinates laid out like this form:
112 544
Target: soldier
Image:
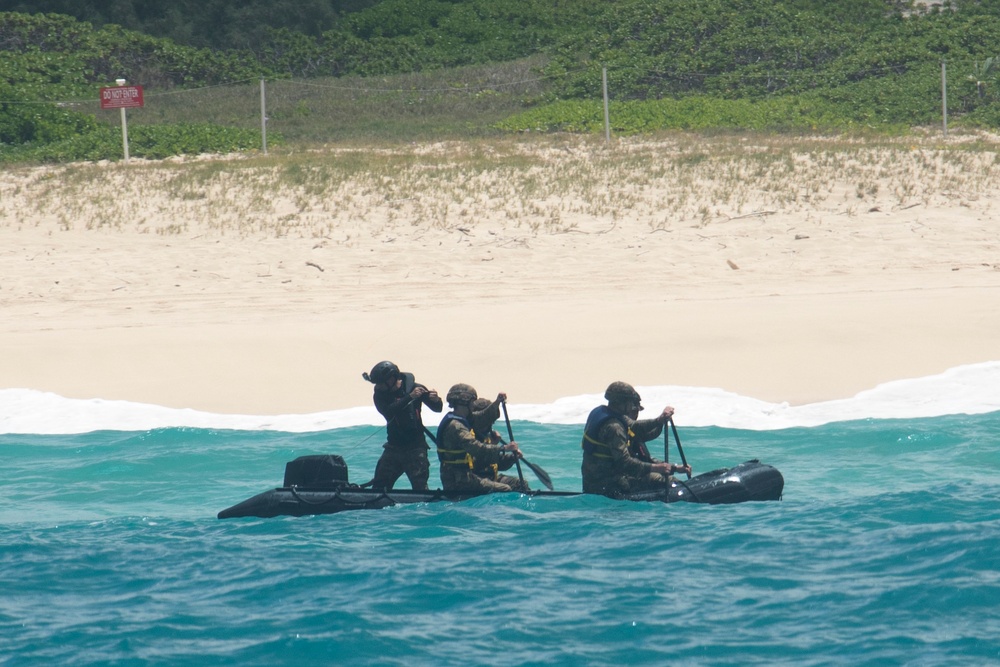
637 446
461 454
484 415
609 468
398 398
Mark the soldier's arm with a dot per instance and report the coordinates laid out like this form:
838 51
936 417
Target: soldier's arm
430 398
464 439
614 435
648 429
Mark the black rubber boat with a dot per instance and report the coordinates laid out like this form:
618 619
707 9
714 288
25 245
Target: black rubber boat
319 485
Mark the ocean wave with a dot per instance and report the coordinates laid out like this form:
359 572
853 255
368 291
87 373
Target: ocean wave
969 389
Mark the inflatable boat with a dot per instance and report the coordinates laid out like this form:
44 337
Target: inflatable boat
319 485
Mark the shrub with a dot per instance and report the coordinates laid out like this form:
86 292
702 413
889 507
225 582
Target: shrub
104 142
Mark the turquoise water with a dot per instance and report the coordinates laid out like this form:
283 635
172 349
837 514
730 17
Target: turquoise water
884 551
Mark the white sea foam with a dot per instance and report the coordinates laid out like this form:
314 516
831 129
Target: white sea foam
972 389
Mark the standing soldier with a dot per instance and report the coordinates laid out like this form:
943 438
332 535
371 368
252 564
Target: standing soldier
609 468
398 398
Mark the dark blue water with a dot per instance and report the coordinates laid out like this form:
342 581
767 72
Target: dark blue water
884 551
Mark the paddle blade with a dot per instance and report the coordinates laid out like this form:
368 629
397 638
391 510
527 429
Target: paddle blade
543 476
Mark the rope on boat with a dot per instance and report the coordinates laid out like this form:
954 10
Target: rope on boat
684 484
373 502
335 496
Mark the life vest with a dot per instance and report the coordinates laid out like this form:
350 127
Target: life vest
490 438
453 457
639 450
492 470
595 420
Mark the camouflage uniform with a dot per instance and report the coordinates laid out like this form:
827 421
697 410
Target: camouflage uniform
484 414
609 468
638 449
461 454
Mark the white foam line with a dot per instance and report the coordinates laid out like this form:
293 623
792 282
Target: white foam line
971 389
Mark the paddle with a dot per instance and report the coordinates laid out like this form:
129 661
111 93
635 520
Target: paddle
543 476
431 436
510 436
677 439
666 445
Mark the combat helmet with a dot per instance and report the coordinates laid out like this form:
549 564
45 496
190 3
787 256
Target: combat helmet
622 393
479 405
484 414
381 372
461 394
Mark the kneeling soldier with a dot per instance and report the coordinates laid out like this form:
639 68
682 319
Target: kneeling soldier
461 454
609 467
484 415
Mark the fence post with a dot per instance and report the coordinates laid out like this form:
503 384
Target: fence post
122 82
607 118
263 118
944 96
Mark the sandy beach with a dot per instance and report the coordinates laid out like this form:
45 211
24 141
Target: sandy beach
787 271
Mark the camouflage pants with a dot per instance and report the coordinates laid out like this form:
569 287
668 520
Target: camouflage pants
514 483
460 478
492 473
621 485
396 462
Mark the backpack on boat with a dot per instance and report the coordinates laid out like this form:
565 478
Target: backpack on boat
316 471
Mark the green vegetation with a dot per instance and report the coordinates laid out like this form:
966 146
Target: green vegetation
102 142
215 24
419 69
455 103
693 112
857 63
48 60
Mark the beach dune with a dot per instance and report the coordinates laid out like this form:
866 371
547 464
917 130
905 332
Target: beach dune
547 268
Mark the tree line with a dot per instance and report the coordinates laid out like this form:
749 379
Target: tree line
212 24
791 63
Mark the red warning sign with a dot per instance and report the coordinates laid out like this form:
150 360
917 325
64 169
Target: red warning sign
121 97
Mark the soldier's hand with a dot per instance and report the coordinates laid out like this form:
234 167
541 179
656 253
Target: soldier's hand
512 447
501 397
418 392
667 413
671 468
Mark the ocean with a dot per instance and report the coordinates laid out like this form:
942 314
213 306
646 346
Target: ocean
885 549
